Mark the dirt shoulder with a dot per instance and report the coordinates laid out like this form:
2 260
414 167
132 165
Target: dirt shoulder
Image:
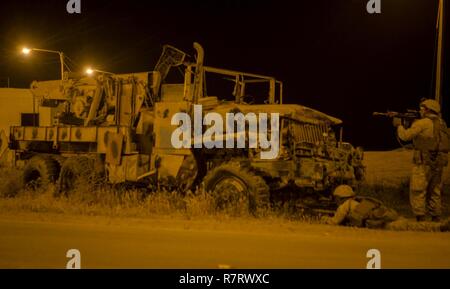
269 226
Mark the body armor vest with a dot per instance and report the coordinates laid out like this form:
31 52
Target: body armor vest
440 140
433 151
371 213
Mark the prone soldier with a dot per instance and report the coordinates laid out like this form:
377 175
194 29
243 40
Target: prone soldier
368 212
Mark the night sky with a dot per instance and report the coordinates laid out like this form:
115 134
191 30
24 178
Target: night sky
331 55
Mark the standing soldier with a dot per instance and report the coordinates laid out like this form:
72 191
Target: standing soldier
430 139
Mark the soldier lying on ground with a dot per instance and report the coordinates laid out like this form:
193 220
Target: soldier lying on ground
371 213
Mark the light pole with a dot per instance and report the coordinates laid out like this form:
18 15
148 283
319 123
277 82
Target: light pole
90 71
27 51
440 28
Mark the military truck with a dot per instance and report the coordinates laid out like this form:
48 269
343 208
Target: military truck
118 128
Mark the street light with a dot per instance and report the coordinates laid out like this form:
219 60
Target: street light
90 71
27 51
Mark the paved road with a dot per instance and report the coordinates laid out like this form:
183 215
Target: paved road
209 244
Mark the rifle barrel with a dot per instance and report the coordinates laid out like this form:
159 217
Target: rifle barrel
403 115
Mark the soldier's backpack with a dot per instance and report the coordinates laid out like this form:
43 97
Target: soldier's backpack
371 213
433 151
442 135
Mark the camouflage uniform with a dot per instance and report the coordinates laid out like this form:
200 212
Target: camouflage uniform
403 224
371 213
429 162
363 212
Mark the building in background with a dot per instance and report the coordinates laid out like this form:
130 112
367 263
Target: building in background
16 108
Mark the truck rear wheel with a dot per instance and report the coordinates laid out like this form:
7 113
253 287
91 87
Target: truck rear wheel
40 171
233 185
75 171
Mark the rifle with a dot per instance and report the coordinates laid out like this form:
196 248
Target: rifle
407 117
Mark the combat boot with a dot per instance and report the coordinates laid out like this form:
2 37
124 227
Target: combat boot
420 218
436 219
445 227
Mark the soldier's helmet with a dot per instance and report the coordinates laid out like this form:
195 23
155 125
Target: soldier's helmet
432 105
344 191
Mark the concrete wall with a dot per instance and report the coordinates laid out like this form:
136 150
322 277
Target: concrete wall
13 102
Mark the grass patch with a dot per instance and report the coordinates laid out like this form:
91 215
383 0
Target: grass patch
106 200
119 201
397 197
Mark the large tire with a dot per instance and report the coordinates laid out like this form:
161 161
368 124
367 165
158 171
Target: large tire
40 171
60 160
230 184
75 171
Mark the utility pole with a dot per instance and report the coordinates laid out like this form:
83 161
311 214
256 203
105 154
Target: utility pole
440 28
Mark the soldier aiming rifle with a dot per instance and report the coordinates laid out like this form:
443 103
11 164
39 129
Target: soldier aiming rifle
430 139
407 118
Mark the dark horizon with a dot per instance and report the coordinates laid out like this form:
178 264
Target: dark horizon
331 55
